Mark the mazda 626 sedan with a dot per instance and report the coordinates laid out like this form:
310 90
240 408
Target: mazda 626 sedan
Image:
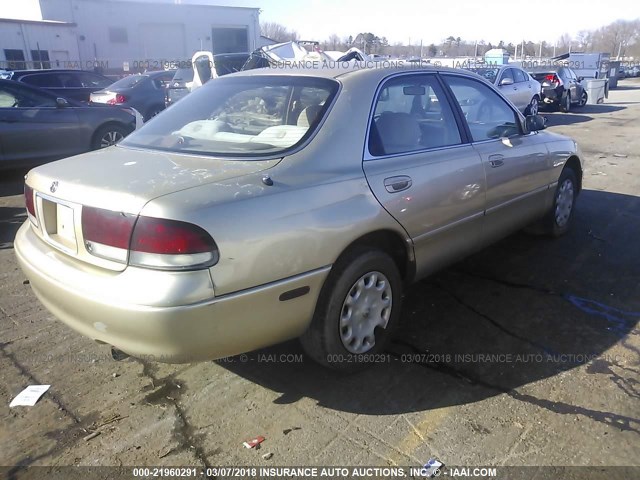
276 203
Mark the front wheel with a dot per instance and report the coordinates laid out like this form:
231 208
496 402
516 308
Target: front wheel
357 311
565 106
560 216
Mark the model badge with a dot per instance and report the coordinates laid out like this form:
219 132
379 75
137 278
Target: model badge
53 187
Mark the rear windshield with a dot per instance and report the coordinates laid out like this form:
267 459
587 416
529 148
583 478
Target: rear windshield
542 75
128 82
240 117
488 73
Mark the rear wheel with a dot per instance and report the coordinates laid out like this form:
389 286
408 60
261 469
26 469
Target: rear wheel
107 136
534 107
357 311
583 99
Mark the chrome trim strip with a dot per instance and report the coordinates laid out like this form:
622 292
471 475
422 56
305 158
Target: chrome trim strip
517 199
448 226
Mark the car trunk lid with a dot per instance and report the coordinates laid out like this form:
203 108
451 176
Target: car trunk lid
121 180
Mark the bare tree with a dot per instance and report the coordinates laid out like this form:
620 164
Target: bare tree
278 32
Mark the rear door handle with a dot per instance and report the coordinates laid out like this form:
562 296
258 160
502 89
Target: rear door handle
397 184
496 160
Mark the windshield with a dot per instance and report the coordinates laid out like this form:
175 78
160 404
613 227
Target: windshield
183 75
488 73
240 116
128 82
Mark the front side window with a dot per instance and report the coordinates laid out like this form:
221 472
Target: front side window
411 113
519 75
240 116
44 80
12 97
487 114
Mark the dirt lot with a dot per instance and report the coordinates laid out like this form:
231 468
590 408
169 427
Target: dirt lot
525 354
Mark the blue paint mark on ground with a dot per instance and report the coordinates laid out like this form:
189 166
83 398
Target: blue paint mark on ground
620 321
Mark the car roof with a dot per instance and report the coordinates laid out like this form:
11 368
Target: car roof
371 70
51 70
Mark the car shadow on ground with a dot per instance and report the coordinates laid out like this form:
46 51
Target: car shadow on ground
12 182
10 221
579 115
525 309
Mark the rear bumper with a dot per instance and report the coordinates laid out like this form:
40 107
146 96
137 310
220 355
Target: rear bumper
552 95
147 325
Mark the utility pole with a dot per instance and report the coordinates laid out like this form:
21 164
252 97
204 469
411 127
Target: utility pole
540 55
619 51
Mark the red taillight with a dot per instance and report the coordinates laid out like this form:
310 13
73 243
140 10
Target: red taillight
107 233
169 237
146 241
29 201
552 78
118 99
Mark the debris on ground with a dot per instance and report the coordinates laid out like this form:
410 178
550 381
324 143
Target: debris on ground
619 155
25 282
254 442
115 375
90 436
267 456
29 396
433 468
287 431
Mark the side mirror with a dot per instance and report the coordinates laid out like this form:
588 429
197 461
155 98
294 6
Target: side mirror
506 81
533 123
61 102
580 79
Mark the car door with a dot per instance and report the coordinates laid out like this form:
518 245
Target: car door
507 85
516 164
421 169
524 92
569 83
34 128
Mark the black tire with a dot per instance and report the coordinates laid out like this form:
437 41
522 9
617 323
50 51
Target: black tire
551 224
323 340
534 106
111 131
565 103
583 99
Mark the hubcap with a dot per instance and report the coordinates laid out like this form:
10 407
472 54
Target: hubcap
568 103
367 306
533 108
110 138
564 203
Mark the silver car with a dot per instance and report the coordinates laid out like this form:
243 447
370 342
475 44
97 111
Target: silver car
522 89
282 203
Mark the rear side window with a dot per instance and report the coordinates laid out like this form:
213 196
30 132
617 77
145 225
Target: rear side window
45 80
411 114
89 80
488 115
23 97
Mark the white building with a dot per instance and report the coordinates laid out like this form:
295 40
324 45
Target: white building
117 34
29 43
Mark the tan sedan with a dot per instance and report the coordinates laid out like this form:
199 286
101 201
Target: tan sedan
276 203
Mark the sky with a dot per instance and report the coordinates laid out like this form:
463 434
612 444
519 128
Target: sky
416 20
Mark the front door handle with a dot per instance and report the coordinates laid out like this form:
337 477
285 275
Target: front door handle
397 184
496 160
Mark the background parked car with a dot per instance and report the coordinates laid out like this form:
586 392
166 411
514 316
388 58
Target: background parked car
223 64
515 84
145 92
561 87
71 84
37 126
